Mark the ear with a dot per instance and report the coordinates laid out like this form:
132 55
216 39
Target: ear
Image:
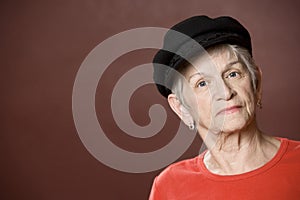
259 84
180 109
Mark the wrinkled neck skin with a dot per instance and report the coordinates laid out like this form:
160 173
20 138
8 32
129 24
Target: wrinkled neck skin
238 152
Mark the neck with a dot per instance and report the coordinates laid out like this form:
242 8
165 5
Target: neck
239 152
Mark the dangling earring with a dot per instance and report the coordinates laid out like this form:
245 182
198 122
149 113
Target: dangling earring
259 104
192 126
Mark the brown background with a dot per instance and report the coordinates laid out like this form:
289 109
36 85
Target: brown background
43 44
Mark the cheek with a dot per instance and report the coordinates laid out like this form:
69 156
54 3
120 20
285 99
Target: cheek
249 100
203 110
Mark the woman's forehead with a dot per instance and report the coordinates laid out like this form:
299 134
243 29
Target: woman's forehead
211 63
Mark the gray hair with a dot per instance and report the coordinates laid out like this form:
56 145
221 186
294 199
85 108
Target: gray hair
241 53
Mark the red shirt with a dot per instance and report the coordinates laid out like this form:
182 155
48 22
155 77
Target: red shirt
190 179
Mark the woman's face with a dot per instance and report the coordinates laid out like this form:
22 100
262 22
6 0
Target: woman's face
220 94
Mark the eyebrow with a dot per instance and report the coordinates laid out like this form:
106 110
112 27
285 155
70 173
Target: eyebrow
226 67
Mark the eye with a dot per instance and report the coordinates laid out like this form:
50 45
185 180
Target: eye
202 84
233 75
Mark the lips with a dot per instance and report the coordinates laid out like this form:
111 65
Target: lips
229 110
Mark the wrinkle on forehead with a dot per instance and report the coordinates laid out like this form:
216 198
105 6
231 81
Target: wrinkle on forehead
212 63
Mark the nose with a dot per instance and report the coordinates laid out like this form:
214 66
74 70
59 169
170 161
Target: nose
224 91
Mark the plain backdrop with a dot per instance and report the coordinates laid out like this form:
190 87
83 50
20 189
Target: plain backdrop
43 44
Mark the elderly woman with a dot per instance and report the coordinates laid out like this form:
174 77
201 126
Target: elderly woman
216 91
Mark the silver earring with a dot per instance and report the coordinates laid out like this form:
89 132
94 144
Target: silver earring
259 104
192 126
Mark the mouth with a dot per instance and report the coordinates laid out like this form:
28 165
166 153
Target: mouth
229 110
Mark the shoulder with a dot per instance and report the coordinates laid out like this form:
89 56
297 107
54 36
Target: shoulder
174 178
179 170
293 146
292 150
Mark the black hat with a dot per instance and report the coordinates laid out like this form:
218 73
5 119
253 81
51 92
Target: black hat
201 29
